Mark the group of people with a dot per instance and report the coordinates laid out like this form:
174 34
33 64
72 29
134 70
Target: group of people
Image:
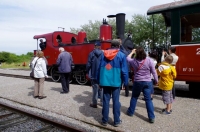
108 70
39 67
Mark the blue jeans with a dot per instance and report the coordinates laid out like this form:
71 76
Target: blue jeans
146 88
152 88
107 92
96 91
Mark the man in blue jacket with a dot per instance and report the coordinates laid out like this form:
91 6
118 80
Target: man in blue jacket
91 68
113 71
64 63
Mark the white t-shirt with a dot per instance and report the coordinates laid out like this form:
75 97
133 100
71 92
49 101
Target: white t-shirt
175 59
155 63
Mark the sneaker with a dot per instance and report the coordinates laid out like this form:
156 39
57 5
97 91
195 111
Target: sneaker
163 110
151 120
93 106
36 97
118 124
128 114
104 123
166 112
42 97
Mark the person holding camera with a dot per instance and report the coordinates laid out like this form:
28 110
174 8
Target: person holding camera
143 68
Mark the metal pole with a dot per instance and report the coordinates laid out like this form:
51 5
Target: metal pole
153 33
37 44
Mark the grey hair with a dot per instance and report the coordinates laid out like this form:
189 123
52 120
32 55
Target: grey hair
61 49
115 43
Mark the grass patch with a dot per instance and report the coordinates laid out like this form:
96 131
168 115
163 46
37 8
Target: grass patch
17 65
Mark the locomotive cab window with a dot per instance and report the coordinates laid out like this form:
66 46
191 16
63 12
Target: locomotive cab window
73 40
190 28
59 40
42 43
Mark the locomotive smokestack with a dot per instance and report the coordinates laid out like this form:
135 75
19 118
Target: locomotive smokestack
120 24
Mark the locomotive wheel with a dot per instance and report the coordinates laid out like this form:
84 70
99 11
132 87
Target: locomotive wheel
81 78
54 74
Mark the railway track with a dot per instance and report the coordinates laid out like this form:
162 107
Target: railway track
49 79
21 76
13 119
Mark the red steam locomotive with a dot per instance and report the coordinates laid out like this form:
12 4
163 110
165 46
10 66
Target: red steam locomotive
78 46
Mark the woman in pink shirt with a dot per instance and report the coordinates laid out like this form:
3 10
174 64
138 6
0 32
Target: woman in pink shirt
143 68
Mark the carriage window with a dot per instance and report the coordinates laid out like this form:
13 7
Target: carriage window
190 28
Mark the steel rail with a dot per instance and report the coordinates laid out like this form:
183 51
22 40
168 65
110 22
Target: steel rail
21 76
46 120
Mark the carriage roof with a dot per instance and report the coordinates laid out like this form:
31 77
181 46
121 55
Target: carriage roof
170 6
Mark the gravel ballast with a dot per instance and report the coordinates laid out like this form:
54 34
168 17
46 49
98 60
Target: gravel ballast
73 108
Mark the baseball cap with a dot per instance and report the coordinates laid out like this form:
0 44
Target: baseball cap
97 43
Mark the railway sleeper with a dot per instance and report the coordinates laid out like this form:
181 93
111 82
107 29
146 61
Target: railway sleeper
10 120
2 127
2 109
6 115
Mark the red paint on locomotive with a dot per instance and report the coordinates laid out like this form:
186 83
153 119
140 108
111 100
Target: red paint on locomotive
81 37
105 31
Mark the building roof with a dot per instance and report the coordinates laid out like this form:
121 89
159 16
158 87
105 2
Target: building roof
169 6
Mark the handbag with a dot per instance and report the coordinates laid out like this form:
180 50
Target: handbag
32 72
138 69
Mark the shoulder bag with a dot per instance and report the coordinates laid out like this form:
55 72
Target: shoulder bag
138 69
32 72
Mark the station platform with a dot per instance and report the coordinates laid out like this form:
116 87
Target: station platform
73 108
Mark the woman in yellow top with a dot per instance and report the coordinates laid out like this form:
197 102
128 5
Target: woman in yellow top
167 75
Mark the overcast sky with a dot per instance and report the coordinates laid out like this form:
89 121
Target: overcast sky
20 20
